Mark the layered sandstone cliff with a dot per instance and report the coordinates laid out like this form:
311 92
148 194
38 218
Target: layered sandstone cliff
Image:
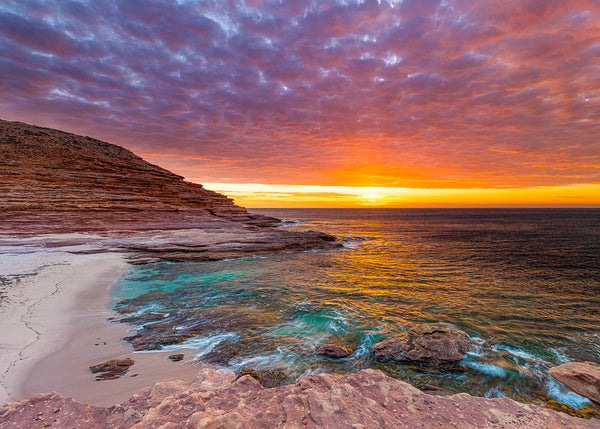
70 183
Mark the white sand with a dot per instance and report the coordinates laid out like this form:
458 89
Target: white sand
53 327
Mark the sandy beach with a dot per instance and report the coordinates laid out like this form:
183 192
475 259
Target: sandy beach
54 327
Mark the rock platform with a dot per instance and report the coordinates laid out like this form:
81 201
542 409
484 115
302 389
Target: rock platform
367 399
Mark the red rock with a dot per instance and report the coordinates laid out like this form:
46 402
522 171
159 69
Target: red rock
582 378
368 399
428 344
49 170
56 182
333 351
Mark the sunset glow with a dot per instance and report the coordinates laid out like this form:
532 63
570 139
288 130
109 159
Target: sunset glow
255 195
430 102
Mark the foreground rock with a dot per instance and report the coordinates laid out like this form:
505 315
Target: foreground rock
581 377
433 345
368 399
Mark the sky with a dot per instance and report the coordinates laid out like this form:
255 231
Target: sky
324 103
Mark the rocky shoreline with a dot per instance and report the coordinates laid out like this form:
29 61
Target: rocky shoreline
84 196
60 189
367 399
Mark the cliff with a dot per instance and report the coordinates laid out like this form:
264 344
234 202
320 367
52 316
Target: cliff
96 186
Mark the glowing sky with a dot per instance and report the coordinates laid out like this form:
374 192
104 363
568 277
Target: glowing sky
387 96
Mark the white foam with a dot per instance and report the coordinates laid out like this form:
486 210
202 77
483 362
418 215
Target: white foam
476 352
560 354
494 392
204 345
488 369
261 361
560 393
515 351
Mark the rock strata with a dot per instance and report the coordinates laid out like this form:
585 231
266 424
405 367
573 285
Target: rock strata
49 171
581 377
368 399
433 345
54 182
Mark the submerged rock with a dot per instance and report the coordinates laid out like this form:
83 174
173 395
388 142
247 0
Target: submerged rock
166 328
582 378
435 390
582 413
267 379
333 351
222 353
368 399
111 369
248 371
433 345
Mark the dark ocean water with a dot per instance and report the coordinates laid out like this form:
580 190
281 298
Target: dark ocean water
523 283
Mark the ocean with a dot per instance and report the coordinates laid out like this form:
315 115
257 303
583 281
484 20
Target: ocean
524 284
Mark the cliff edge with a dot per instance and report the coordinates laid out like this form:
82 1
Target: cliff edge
96 186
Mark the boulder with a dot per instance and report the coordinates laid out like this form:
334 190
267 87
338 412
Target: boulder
176 357
582 378
333 351
111 369
433 345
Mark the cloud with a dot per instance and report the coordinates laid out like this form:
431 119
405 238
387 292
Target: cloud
425 93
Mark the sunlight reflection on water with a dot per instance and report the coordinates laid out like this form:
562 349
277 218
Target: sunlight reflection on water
523 284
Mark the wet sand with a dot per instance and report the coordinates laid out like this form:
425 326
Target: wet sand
54 327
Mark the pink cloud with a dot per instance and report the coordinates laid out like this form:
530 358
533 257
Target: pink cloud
502 93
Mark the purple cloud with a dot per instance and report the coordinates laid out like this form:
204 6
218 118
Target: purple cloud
424 93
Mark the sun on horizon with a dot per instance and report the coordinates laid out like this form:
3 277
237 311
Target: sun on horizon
273 196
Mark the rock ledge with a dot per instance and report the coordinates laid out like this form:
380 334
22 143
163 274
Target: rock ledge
367 399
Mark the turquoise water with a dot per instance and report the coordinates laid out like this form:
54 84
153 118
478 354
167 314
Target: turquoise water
522 283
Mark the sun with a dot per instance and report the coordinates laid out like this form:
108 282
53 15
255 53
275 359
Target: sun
371 200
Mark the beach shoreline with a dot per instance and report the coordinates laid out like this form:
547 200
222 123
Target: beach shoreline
55 327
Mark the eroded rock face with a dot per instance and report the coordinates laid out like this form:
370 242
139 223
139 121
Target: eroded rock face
333 351
581 377
368 399
52 182
45 170
432 345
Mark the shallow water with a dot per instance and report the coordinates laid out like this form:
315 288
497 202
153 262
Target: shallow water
524 284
